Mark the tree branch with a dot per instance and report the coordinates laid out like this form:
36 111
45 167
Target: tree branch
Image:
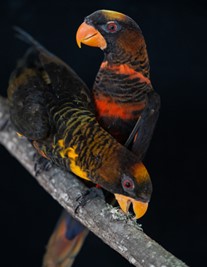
113 227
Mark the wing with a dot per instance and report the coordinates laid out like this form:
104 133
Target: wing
27 103
141 135
28 84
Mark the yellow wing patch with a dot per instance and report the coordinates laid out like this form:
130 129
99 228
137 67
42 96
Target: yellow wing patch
70 153
61 143
73 166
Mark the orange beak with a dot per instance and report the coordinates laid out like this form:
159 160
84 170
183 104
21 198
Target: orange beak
139 207
88 35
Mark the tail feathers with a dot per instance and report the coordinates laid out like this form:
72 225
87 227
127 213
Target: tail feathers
26 37
65 242
36 54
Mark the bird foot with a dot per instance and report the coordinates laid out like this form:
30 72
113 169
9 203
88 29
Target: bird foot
41 164
87 196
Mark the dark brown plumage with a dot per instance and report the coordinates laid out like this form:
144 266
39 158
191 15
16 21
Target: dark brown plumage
122 91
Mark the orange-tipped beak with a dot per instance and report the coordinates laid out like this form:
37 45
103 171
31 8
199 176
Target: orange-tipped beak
139 207
88 35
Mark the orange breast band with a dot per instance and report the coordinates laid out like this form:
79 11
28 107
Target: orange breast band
107 108
126 70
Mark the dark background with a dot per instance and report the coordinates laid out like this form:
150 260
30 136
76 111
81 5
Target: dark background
176 38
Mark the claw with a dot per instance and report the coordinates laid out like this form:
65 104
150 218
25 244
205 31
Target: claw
41 164
87 196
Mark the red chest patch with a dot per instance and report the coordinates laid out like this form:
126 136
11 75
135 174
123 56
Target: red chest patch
126 111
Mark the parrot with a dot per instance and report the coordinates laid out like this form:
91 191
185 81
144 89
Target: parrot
59 119
52 107
126 106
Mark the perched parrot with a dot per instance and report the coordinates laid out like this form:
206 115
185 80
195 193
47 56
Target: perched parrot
59 119
126 106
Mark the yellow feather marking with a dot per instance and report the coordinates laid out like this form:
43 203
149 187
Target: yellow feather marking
63 153
72 155
46 77
64 150
61 143
112 15
74 167
140 172
19 135
64 110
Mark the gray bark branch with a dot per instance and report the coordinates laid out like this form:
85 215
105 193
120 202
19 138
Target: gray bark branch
109 224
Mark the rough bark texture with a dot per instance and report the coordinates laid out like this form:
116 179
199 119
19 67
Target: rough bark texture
109 224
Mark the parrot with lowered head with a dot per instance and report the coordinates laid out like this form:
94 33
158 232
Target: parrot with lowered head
125 105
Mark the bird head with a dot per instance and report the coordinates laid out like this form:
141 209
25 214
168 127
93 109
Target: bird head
136 190
110 30
128 180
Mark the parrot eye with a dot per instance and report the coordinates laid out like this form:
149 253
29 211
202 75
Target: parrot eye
128 184
112 27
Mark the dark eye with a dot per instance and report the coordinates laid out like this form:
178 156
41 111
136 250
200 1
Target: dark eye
111 26
128 184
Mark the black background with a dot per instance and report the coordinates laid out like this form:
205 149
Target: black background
175 33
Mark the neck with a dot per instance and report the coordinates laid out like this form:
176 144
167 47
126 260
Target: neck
124 75
134 55
125 69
